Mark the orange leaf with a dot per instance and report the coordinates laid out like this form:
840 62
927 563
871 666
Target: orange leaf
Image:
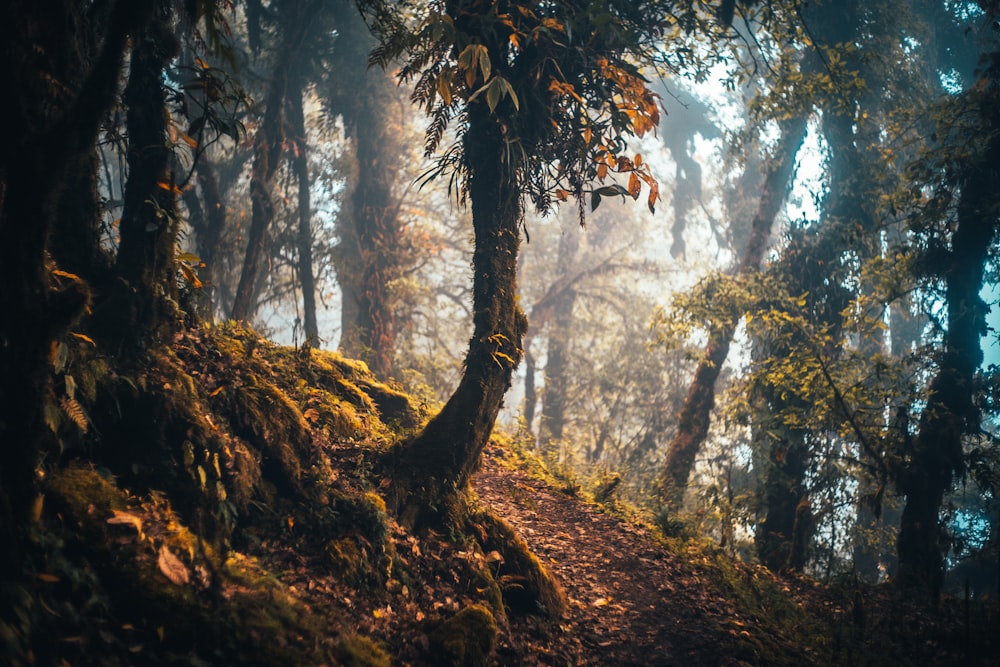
634 185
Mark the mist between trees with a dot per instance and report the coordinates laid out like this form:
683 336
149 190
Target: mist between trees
779 345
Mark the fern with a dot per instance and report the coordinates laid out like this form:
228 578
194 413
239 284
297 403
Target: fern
440 117
72 408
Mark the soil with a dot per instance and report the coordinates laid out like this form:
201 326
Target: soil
630 601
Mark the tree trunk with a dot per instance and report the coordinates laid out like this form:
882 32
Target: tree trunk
560 329
433 468
207 217
300 164
371 238
951 411
530 389
695 415
268 145
783 537
76 239
63 84
145 300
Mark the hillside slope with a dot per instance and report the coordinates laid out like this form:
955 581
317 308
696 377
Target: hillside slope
217 503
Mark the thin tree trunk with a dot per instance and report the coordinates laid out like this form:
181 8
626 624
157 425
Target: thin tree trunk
560 327
432 469
268 144
208 220
695 415
530 389
300 164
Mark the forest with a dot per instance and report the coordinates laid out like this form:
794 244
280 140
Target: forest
500 332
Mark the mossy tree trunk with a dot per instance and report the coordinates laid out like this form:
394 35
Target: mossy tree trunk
430 470
695 416
59 63
951 411
145 300
784 534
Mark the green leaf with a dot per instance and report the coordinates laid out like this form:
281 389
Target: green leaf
508 90
493 94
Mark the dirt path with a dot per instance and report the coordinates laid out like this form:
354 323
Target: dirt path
629 602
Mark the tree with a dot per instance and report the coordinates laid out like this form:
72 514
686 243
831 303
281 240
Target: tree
300 164
144 302
936 455
61 63
693 420
297 19
545 95
371 253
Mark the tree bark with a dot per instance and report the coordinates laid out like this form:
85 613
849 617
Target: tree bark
370 235
145 301
695 415
434 467
951 412
268 145
300 164
56 127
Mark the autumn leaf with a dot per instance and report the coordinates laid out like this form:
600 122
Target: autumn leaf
172 567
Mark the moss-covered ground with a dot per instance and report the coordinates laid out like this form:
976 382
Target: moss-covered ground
218 501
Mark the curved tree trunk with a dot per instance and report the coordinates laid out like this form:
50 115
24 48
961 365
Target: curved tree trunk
431 469
695 415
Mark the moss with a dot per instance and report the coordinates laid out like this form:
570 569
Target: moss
85 497
367 552
263 415
467 639
360 651
346 559
525 583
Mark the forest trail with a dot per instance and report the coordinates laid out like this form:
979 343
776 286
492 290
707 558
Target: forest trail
630 601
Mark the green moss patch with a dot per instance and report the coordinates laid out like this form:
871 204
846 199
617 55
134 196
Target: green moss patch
525 583
467 639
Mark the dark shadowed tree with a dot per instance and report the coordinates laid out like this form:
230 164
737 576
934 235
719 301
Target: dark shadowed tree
144 300
970 203
61 63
